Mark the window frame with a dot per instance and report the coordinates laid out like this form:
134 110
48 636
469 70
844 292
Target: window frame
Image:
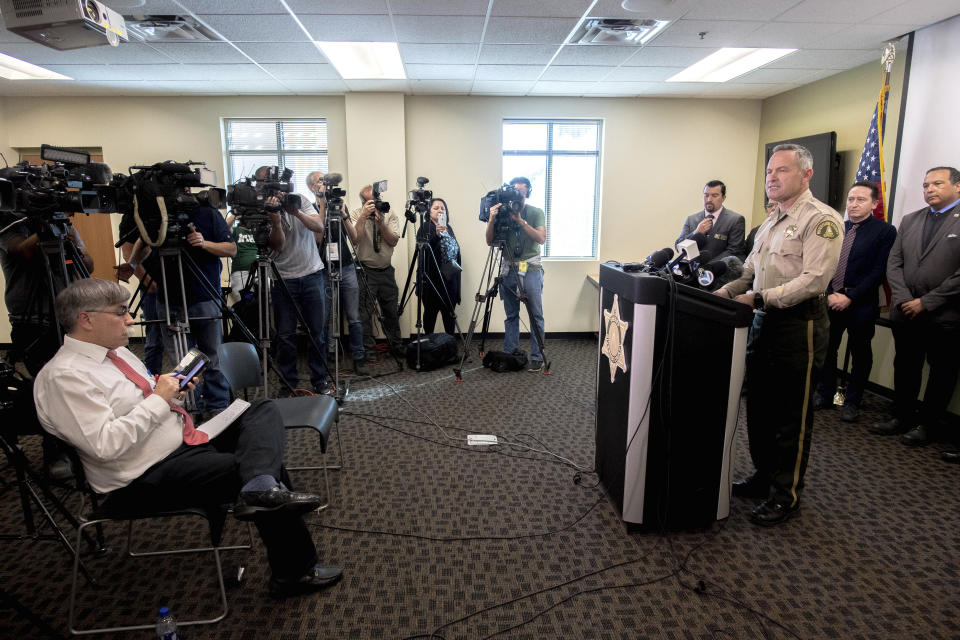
549 153
279 151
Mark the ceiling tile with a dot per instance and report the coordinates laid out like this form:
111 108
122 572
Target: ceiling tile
83 72
535 8
717 33
433 53
266 28
642 74
740 10
394 86
511 87
528 30
835 12
772 76
282 52
517 53
438 29
916 11
655 56
438 7
201 52
659 9
302 71
790 35
316 86
594 54
825 59
440 71
154 7
219 7
622 88
327 7
576 73
348 28
859 36
508 72
446 86
555 88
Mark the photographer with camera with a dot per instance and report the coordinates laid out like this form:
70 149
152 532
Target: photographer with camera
333 247
521 269
378 231
297 259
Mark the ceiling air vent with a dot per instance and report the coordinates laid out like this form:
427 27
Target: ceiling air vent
618 31
161 28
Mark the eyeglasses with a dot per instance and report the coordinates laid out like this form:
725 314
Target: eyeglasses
120 313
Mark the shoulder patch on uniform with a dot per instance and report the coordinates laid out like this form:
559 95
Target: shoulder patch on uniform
828 230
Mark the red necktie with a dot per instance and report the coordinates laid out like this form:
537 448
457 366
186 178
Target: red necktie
190 434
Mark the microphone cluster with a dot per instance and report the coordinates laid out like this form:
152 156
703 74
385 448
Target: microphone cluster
693 265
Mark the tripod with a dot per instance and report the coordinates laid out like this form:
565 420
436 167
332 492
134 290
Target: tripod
493 277
420 262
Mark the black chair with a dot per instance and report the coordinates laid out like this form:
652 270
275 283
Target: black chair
240 365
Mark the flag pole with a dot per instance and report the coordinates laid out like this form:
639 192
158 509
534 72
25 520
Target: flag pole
886 63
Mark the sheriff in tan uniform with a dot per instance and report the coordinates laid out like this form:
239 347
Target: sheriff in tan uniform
793 259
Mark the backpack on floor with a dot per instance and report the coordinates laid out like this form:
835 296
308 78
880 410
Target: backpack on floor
436 350
500 361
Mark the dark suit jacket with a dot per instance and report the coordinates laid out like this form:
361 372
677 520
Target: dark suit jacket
866 264
725 237
932 275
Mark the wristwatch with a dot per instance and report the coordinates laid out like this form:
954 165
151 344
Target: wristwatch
758 301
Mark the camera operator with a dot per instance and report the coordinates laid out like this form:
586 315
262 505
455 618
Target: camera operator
33 333
298 261
521 268
349 287
376 260
208 240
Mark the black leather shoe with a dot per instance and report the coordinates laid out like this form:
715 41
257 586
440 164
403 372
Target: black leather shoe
916 437
891 427
317 578
772 512
751 487
360 367
951 456
254 503
850 413
819 402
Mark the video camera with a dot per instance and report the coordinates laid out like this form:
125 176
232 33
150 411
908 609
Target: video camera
72 184
508 196
161 196
250 205
419 198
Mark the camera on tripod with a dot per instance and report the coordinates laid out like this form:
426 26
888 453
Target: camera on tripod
419 200
161 196
251 204
508 196
72 184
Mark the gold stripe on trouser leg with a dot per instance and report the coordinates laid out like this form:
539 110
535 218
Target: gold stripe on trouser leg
803 414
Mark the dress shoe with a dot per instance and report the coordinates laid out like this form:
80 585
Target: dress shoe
916 437
317 578
951 455
772 512
360 367
819 402
891 427
255 503
850 413
751 487
325 389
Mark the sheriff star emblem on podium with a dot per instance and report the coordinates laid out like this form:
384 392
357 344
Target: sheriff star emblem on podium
616 332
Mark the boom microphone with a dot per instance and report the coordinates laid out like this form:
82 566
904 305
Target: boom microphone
734 269
332 179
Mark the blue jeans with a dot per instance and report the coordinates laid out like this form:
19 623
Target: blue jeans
350 303
533 284
309 293
206 335
153 332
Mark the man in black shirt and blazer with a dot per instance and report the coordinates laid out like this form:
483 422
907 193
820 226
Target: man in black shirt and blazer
924 276
852 297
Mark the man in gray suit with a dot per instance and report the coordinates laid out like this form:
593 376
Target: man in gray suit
724 228
924 275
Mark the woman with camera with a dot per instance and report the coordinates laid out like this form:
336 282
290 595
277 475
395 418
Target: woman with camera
440 292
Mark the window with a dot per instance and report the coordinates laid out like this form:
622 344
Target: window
561 158
300 145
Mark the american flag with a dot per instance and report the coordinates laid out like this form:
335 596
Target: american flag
869 168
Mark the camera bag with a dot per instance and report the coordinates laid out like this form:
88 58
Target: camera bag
500 361
436 350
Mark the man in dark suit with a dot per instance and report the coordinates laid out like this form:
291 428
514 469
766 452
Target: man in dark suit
852 297
724 228
924 275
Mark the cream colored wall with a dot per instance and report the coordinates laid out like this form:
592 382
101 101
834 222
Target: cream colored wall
842 103
657 154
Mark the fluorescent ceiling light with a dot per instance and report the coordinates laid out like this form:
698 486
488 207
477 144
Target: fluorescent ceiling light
14 69
364 60
728 63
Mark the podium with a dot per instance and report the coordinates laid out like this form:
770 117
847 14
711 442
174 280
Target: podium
669 374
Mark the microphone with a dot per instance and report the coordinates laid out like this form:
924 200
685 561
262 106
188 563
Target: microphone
710 273
656 260
687 272
332 179
688 249
734 269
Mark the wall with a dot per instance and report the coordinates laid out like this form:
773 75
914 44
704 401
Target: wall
843 103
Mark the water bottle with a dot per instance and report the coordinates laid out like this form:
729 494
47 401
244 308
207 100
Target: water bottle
166 625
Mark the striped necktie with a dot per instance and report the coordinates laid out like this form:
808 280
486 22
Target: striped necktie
190 434
838 277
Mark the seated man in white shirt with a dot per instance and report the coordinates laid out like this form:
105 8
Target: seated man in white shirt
137 444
